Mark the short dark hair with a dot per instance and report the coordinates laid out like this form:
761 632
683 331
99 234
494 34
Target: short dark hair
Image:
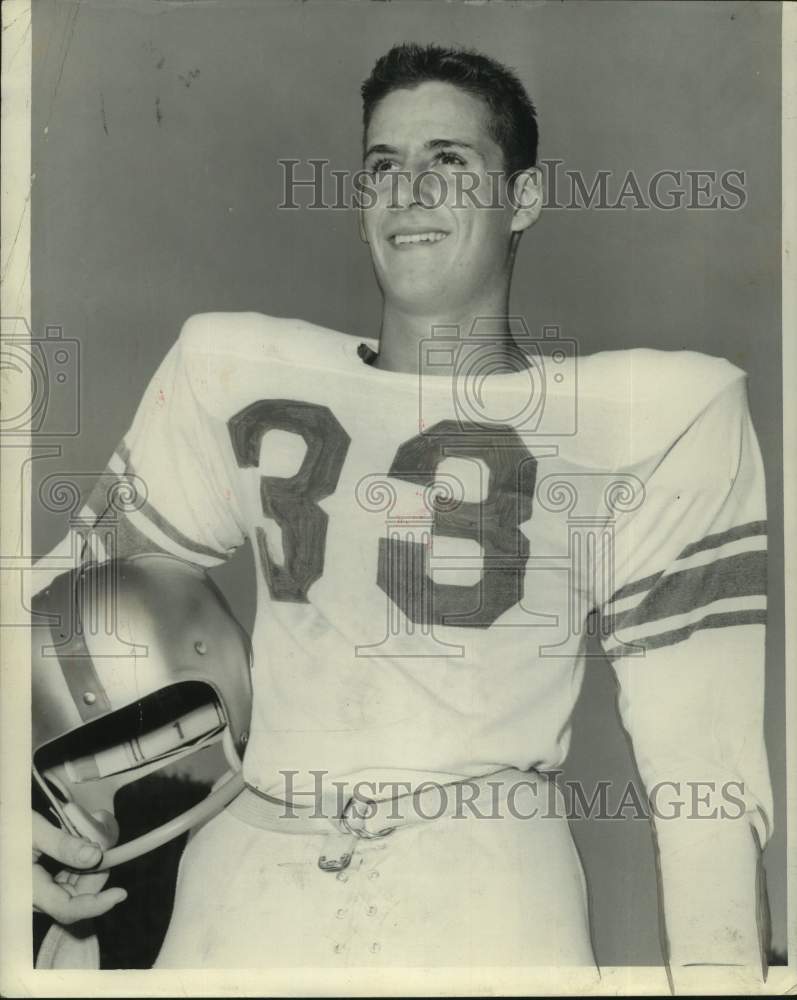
513 119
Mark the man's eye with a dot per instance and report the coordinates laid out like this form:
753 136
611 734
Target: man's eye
383 166
448 158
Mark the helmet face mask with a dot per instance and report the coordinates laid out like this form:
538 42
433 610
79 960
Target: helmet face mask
89 765
137 665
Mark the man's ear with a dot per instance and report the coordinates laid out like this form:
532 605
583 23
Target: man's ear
525 197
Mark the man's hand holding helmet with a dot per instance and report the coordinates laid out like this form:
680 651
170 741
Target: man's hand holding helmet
64 897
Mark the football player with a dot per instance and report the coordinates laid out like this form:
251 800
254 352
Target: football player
439 515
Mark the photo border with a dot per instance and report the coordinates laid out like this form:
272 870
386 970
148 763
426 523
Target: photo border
17 977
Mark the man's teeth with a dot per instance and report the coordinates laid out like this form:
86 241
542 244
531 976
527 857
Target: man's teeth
419 238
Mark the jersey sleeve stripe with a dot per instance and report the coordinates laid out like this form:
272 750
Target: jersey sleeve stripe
725 619
723 605
166 541
748 530
634 588
755 543
121 457
741 575
155 526
126 540
138 526
743 538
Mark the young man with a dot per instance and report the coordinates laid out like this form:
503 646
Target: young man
435 516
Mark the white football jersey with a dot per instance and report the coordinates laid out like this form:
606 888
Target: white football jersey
433 551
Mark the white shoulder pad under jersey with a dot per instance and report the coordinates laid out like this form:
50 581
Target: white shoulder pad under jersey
171 483
635 404
216 348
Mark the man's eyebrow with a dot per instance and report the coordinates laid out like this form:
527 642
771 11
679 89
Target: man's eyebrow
380 148
439 143
431 144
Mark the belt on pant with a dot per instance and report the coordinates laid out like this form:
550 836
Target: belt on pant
362 818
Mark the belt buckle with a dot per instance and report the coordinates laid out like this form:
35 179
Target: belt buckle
351 828
353 820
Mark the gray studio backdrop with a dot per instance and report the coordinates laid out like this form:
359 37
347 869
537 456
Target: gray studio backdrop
157 128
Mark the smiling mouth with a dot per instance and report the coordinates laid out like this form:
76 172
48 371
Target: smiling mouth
407 239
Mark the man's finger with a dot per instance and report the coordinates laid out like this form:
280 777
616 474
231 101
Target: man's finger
76 884
56 843
55 901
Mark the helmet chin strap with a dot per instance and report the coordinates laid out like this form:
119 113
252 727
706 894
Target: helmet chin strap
100 830
101 827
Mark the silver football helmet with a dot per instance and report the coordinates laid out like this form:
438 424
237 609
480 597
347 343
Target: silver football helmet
136 664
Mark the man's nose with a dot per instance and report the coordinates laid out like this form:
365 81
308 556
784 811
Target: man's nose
417 187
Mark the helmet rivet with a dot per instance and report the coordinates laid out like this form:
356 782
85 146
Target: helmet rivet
244 737
200 647
89 697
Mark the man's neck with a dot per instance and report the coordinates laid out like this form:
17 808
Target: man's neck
406 342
